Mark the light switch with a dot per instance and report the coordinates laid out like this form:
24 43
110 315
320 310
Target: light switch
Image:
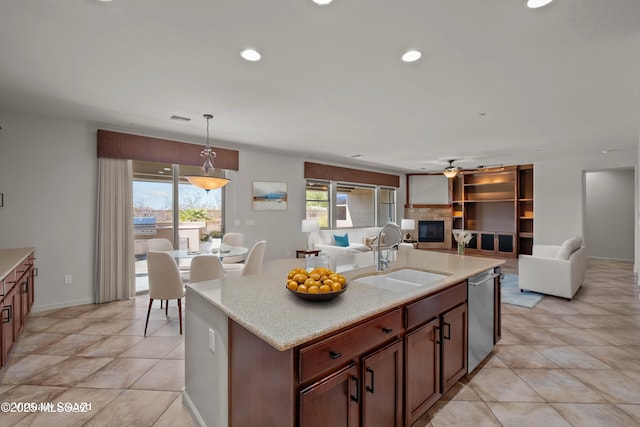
212 340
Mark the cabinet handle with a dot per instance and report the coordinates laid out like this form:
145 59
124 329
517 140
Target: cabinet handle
447 336
370 389
356 398
25 285
35 271
9 314
436 332
386 330
334 355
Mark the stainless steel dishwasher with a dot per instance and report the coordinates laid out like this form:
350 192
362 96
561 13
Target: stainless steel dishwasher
480 328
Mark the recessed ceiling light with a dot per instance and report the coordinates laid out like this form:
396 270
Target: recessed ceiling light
411 55
322 2
534 4
251 55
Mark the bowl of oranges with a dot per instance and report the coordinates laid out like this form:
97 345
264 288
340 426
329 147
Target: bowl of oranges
319 284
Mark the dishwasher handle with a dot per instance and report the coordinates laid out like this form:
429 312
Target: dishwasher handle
484 279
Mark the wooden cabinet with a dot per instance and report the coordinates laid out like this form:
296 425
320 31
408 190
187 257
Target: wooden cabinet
497 207
382 386
436 351
15 303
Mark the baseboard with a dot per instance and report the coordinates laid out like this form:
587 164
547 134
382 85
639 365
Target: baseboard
65 304
195 415
610 259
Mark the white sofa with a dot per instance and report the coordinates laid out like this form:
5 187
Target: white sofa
360 240
554 270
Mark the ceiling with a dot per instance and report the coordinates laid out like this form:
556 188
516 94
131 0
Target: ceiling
498 83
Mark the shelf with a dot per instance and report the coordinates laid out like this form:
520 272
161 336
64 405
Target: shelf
480 184
525 200
526 217
526 235
490 200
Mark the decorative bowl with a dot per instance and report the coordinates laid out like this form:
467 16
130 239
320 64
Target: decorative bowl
318 297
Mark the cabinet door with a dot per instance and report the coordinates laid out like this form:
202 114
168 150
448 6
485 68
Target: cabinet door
422 370
6 316
382 387
454 346
332 401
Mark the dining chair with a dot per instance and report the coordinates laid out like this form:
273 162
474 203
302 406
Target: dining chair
160 244
165 283
233 239
205 267
253 263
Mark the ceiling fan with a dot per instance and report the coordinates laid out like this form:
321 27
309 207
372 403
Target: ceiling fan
451 171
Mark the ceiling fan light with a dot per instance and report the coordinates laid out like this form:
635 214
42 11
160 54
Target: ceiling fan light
450 172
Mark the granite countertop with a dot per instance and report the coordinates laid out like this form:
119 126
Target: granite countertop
10 258
264 306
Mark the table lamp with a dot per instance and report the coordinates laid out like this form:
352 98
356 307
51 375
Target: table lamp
310 226
408 225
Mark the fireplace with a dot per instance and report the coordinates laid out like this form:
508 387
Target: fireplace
430 231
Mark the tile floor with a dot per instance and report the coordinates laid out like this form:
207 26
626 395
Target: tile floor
561 363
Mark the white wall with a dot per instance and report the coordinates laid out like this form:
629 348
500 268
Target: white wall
559 193
610 213
48 174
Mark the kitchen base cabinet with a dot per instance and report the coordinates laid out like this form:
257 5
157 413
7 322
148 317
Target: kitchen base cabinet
454 346
422 367
334 401
17 296
382 387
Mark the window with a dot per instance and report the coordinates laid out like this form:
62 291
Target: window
317 202
354 205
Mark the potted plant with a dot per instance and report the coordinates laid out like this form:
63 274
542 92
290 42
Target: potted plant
211 240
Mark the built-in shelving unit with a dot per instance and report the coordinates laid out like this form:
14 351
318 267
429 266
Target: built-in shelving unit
496 206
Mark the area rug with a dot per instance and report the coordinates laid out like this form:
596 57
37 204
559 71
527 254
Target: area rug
511 293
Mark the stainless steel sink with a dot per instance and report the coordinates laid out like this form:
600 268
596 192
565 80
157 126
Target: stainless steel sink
402 280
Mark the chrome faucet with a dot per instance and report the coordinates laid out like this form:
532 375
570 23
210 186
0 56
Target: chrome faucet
382 263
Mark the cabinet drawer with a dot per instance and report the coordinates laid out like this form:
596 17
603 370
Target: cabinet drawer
339 349
431 306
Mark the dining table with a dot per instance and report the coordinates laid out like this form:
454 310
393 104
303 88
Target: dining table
188 254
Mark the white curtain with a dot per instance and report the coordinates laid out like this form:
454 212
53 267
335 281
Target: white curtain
115 262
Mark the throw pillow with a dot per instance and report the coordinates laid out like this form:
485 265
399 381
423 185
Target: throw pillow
568 247
342 241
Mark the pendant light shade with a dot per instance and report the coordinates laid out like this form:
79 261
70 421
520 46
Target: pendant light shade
206 181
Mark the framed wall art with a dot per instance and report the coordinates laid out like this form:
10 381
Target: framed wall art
269 196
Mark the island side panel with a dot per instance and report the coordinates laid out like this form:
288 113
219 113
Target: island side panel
206 372
261 381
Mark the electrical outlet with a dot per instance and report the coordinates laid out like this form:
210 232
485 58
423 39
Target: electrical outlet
68 279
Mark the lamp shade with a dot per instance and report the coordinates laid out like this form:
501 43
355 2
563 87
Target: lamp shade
207 182
408 224
310 225
450 172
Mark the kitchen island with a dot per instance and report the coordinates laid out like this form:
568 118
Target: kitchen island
255 354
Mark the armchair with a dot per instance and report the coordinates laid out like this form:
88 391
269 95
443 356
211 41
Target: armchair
554 270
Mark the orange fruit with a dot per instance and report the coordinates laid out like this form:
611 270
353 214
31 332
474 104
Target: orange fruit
336 286
328 282
315 276
309 282
300 278
324 289
302 288
314 289
292 284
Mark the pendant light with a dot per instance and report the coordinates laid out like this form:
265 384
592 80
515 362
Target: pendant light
206 181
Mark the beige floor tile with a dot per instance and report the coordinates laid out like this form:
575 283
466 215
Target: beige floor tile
32 342
154 347
136 327
70 344
70 371
632 410
522 356
21 368
177 353
165 375
26 393
175 415
107 326
616 357
556 385
461 413
614 385
571 357
520 414
112 346
71 326
577 336
135 408
119 373
583 415
89 402
495 384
